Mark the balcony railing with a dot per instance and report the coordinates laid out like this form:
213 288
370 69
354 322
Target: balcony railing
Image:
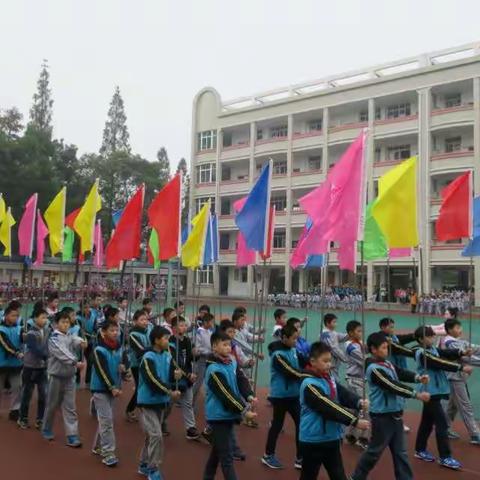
458 108
463 152
306 172
404 118
234 180
237 146
226 217
386 162
204 184
312 133
271 140
347 126
203 152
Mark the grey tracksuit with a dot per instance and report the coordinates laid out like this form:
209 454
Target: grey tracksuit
334 339
203 349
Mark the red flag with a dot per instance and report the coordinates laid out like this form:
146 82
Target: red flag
271 229
42 232
125 241
455 219
69 221
164 216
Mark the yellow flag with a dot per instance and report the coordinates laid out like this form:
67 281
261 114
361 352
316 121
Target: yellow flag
55 218
194 247
6 233
3 208
85 222
395 209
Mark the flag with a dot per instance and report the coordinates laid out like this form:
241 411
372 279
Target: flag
98 241
400 252
314 261
164 214
69 239
84 223
455 218
6 232
26 227
116 215
3 208
125 241
194 248
307 246
42 232
252 220
265 255
153 251
395 209
374 243
245 256
210 254
55 219
71 217
473 247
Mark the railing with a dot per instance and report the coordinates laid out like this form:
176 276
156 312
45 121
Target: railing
271 140
386 163
203 152
230 182
236 146
312 133
204 184
403 118
347 126
458 108
307 172
465 152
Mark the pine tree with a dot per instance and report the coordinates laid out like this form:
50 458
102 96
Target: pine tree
164 164
41 111
182 167
115 134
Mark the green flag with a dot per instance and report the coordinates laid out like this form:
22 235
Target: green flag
374 243
69 238
154 249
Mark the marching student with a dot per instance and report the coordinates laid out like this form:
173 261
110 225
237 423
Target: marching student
168 315
285 378
105 387
35 369
459 400
89 319
432 362
157 376
324 404
386 403
62 366
11 358
226 388
302 346
280 317
251 335
147 305
180 311
398 352
139 342
333 338
52 305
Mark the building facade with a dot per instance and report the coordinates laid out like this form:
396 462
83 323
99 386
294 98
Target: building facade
427 106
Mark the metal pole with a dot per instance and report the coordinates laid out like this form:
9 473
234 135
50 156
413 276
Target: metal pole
362 313
471 301
159 297
388 281
255 312
260 322
178 302
420 268
323 287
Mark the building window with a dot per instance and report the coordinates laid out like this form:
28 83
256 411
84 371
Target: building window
378 154
279 132
396 111
315 162
207 173
201 201
280 168
224 241
294 243
226 173
225 206
207 140
227 139
279 240
240 275
205 275
399 152
315 125
280 203
363 117
453 100
453 144
259 134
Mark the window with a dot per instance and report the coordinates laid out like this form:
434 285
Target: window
279 240
207 173
315 162
279 132
453 144
225 206
396 111
280 203
294 243
240 275
363 117
375 188
207 140
201 201
453 100
398 152
227 139
224 241
259 134
226 173
280 168
315 125
378 154
205 275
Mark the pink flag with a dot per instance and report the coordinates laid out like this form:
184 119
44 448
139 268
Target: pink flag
42 232
26 227
347 256
98 242
400 252
244 255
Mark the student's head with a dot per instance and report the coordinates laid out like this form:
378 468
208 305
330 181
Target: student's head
168 314
330 321
228 327
208 321
451 312
296 322
354 330
84 308
10 316
387 325
112 314
280 316
15 305
289 335
96 300
453 327
123 303
179 325
179 307
140 319
238 320
320 358
241 309
425 336
110 330
159 337
71 314
40 318
147 305
52 301
221 344
62 322
203 310
378 345
40 305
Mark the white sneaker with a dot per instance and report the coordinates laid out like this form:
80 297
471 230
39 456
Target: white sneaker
406 429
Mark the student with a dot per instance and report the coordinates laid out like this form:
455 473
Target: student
147 305
459 400
202 312
302 345
168 315
89 318
285 378
324 404
226 389
156 389
280 317
180 311
139 342
37 306
398 352
52 305
431 362
105 387
386 404
355 377
123 309
238 320
333 338
35 369
251 335
11 359
62 366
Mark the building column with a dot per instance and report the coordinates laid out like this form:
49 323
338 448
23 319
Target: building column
288 216
325 122
251 178
476 170
370 148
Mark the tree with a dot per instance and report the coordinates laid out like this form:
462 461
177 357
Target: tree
41 111
11 122
115 134
182 167
164 164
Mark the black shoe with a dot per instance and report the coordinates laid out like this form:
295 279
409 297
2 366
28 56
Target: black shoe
14 415
193 434
350 439
23 423
38 424
239 456
165 431
207 435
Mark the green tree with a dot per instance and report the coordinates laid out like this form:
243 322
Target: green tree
41 110
164 164
11 122
182 167
115 134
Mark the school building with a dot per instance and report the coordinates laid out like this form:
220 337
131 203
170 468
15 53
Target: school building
428 105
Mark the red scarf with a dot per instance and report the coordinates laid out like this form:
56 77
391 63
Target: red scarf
112 344
328 378
224 360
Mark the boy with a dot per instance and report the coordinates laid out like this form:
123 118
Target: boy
147 305
334 339
90 318
355 377
52 305
123 309
35 369
11 358
155 389
302 345
226 390
105 387
168 315
459 395
202 311
239 319
280 317
398 352
62 366
431 361
285 378
180 311
386 403
324 406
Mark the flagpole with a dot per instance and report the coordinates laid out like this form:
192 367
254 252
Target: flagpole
323 287
178 302
159 297
130 304
254 319
388 281
420 268
260 321
362 314
471 301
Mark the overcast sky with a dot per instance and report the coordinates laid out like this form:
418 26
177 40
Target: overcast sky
161 52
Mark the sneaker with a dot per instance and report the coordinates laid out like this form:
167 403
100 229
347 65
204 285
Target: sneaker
14 415
48 435
425 456
452 435
207 435
23 423
450 462
143 469
192 434
298 464
110 460
475 439
155 475
351 440
131 417
38 424
272 462
251 423
362 443
165 430
73 441
97 451
239 456
406 429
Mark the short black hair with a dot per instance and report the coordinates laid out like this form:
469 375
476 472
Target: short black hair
453 311
319 348
178 304
376 339
204 308
110 312
167 311
39 305
240 309
219 336
95 295
423 331
226 324
158 332
293 321
237 315
352 325
61 316
138 314
38 312
207 318
121 299
9 310
68 310
146 301
107 324
288 330
328 318
52 296
15 305
278 313
451 323
385 322
177 319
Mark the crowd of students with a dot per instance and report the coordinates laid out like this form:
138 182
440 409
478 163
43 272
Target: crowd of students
172 359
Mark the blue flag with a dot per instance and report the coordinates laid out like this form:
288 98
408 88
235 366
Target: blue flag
473 247
210 254
313 261
116 217
252 220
